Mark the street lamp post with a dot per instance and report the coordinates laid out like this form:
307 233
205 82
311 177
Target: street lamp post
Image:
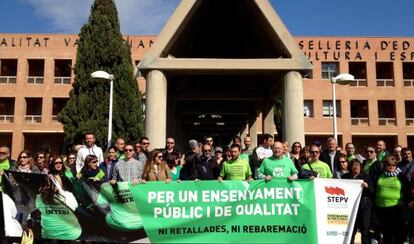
104 75
342 79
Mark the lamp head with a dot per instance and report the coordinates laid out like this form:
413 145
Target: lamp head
343 79
102 75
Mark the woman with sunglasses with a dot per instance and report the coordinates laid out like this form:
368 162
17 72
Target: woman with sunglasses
58 171
363 217
70 163
41 162
25 163
341 166
91 171
295 153
173 161
156 169
388 200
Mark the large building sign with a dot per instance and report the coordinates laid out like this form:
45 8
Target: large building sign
359 49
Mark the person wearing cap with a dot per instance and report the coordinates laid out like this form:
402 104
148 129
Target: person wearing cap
277 166
235 168
219 155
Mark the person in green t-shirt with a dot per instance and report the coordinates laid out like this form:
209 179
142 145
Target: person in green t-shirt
316 165
236 168
278 166
4 163
57 219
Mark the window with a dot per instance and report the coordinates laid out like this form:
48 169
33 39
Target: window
138 72
385 74
328 108
63 71
330 69
33 110
6 109
359 112
36 71
409 113
308 108
8 71
58 105
408 74
386 113
359 70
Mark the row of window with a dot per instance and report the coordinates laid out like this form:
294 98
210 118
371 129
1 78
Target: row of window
36 71
33 109
360 111
384 73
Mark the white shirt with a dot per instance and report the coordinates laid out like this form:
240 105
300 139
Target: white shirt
12 226
263 152
85 151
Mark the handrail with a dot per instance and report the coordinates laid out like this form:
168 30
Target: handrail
360 121
33 119
6 119
387 121
385 82
63 80
35 79
8 79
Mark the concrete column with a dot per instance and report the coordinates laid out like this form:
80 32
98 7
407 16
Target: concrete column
269 126
244 132
156 108
253 132
293 119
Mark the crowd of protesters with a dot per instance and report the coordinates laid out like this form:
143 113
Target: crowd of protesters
386 209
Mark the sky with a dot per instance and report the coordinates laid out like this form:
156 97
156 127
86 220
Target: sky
302 17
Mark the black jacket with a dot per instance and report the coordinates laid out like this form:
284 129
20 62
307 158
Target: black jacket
324 157
368 194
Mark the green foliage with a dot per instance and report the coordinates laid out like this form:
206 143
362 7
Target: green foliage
101 47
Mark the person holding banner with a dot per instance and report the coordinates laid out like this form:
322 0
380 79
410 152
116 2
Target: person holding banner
316 165
57 216
388 201
235 168
156 169
277 166
363 217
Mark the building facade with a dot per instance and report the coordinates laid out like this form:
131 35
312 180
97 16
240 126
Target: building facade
36 76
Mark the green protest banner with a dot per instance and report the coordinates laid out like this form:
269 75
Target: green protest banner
277 211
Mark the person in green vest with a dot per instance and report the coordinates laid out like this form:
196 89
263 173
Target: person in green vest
381 150
316 165
120 146
389 202
58 220
4 163
91 170
278 165
235 168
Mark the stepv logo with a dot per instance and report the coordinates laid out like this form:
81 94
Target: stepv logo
336 195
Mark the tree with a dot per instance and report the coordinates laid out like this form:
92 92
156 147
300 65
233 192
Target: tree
101 47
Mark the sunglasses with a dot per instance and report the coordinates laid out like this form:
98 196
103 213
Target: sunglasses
145 143
314 152
209 140
71 158
160 156
342 161
370 151
40 157
94 161
207 151
24 157
58 162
